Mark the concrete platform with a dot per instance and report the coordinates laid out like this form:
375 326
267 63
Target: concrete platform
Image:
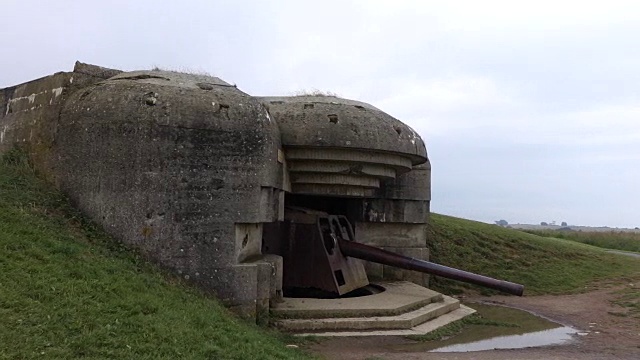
403 308
398 298
422 329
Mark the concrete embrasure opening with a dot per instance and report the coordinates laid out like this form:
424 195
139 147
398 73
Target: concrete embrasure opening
333 205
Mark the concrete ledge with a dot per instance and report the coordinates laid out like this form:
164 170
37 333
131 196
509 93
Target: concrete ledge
398 298
422 329
403 321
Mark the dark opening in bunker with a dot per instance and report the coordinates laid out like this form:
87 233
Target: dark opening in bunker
370 289
334 205
307 240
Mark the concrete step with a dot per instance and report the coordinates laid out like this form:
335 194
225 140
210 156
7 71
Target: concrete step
404 321
397 298
421 329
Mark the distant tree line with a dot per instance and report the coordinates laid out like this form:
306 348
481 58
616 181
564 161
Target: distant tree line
553 223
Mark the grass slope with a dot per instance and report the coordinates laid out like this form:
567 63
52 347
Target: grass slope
544 265
68 291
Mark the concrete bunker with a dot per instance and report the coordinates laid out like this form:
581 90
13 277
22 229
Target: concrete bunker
224 189
350 159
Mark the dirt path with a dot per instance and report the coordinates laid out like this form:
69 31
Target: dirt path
613 333
625 253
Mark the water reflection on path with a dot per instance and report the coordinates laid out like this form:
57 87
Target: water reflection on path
555 336
504 328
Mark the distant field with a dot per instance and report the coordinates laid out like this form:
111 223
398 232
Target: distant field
605 229
617 240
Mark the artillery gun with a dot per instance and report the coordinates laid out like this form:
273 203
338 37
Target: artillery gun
319 252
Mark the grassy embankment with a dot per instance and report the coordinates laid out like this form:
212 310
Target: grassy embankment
617 240
544 265
68 291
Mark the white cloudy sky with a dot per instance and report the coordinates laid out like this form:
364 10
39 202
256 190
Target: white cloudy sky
530 109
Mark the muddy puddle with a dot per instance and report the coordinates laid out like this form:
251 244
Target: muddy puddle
499 327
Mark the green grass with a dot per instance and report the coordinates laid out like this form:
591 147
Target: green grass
544 265
182 70
617 240
315 92
69 291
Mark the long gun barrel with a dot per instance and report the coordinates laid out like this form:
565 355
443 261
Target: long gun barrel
373 254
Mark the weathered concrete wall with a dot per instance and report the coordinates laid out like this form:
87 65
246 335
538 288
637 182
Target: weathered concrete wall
328 121
339 147
183 167
177 165
29 112
396 221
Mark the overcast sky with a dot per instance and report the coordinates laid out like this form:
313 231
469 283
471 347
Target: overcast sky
530 110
